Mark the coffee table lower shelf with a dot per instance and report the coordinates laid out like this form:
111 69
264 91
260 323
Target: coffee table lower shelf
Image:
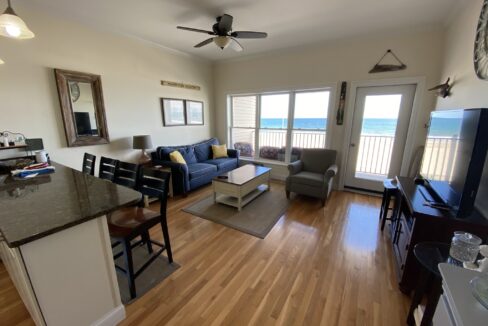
234 201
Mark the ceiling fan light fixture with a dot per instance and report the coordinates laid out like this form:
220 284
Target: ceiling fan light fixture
222 41
13 26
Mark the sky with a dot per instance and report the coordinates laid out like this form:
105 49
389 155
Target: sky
307 105
382 106
316 104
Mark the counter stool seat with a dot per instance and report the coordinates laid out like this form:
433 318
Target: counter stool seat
123 222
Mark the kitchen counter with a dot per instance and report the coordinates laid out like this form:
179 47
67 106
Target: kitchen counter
57 249
457 305
34 208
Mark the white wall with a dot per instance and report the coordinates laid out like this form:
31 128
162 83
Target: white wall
328 64
131 72
468 90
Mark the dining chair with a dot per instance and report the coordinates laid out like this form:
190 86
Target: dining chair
126 174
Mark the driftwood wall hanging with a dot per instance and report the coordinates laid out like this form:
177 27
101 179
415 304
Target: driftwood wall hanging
342 104
379 67
180 85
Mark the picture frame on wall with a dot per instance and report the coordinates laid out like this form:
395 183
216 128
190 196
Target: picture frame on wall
173 112
194 112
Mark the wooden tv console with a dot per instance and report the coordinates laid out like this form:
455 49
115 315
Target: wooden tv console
413 222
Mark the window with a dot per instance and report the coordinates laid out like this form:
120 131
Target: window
278 125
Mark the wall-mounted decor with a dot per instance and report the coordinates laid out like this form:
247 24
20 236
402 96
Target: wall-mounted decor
82 106
443 90
379 67
194 112
342 104
481 44
173 112
180 85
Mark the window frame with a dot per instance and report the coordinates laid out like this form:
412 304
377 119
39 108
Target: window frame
290 120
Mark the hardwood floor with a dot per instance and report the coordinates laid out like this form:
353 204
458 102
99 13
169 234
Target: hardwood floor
318 266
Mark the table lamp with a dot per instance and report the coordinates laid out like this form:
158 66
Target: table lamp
142 142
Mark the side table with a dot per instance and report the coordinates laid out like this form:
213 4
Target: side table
429 255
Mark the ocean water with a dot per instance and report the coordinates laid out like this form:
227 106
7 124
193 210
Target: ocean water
384 127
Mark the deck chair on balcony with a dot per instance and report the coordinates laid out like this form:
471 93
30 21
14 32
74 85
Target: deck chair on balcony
313 174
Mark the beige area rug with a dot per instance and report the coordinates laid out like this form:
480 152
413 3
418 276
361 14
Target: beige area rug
256 218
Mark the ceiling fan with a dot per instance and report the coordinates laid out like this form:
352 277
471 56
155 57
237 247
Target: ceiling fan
223 35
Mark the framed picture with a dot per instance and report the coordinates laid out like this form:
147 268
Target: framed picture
173 112
194 112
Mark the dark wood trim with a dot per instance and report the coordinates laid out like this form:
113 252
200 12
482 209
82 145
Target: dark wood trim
62 78
164 116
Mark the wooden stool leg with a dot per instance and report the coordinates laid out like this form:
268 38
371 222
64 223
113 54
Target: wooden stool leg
423 281
432 300
382 207
129 268
385 211
147 240
164 227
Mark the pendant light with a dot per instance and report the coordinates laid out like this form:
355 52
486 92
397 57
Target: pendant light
13 26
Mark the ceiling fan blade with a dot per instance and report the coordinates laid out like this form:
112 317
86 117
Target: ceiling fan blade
225 23
235 45
248 34
195 30
207 41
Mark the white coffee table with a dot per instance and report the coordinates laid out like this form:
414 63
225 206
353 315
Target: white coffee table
239 187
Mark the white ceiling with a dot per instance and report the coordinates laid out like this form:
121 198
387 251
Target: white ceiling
289 23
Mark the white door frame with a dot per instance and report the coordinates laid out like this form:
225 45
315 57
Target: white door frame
413 124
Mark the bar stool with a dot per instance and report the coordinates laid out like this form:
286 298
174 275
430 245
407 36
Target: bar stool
107 168
88 164
127 224
390 190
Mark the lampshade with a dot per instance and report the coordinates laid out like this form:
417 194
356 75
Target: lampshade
142 142
13 26
221 41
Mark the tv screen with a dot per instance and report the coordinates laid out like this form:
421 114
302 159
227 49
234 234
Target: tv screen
448 152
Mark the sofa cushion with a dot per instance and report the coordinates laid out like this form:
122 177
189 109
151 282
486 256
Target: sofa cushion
188 153
308 178
199 169
203 150
223 163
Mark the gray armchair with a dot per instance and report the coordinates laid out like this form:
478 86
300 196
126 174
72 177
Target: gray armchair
313 174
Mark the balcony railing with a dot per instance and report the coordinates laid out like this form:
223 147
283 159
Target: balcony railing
374 155
375 151
272 143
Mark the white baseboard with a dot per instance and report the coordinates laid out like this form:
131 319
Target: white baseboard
112 318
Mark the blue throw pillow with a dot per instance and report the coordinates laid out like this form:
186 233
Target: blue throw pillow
188 154
203 151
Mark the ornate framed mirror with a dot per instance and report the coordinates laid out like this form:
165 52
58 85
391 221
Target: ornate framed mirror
82 106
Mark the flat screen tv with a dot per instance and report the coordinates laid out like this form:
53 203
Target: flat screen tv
454 157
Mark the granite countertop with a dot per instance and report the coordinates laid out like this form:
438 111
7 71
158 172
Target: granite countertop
34 208
466 310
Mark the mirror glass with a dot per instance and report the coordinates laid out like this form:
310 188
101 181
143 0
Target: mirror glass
83 105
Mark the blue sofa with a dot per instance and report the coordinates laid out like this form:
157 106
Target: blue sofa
200 169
